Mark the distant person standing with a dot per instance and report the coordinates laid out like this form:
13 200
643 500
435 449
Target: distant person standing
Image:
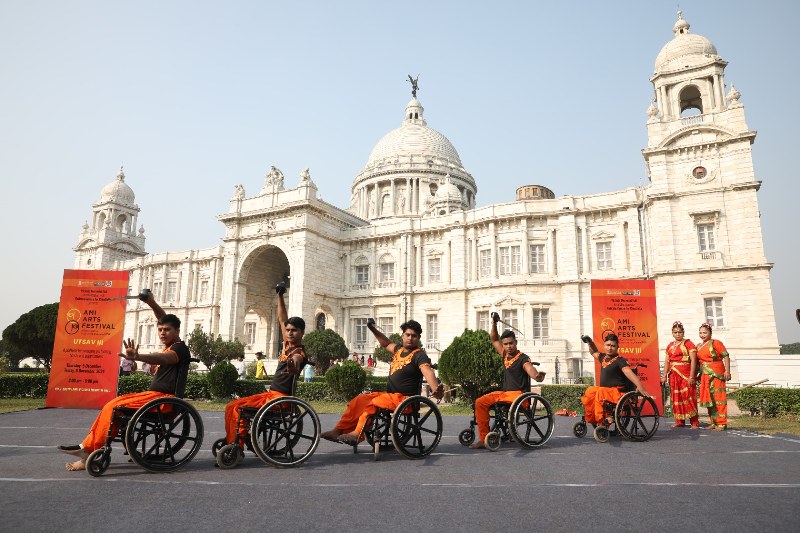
369 361
308 373
680 371
127 367
241 367
260 372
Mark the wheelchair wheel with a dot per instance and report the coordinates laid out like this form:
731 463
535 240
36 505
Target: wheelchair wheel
229 456
219 443
636 417
492 441
466 437
601 434
285 431
416 427
164 434
579 429
531 420
98 462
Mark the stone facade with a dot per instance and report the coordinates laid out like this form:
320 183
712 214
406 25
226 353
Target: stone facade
413 244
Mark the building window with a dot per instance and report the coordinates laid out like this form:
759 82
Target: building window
509 260
172 291
360 331
705 237
362 275
714 315
484 322
604 259
204 290
486 264
140 340
541 326
386 325
387 272
434 270
510 317
157 290
250 333
150 334
432 333
537 258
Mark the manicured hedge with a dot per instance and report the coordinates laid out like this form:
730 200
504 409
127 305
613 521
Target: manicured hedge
23 385
778 401
564 396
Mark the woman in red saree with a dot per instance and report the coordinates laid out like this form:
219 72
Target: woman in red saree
715 370
680 369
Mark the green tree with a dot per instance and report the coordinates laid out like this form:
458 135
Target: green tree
11 354
382 354
323 346
212 350
346 380
790 348
222 379
472 362
34 332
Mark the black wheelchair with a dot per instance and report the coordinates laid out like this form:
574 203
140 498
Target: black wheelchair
414 429
284 432
161 436
528 420
634 417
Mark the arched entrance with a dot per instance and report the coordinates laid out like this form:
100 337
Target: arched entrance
258 321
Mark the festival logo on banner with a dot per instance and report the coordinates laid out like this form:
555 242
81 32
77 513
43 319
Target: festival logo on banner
89 334
628 309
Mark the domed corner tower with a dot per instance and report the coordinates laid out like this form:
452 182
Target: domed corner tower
534 192
112 236
695 131
406 169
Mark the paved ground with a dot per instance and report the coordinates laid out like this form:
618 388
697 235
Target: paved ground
733 481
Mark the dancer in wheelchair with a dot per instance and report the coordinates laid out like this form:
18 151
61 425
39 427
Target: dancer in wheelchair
409 365
616 377
291 362
516 378
169 361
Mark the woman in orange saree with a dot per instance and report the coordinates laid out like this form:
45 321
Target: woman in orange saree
715 371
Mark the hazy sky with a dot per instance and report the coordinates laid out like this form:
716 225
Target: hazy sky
194 97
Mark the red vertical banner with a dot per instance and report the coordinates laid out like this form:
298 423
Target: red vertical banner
89 334
628 309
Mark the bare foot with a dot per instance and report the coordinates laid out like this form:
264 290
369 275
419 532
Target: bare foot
348 438
76 466
477 445
540 377
332 435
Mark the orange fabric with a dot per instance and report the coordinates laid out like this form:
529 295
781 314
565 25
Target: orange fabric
232 412
483 404
99 431
682 394
713 394
362 407
592 401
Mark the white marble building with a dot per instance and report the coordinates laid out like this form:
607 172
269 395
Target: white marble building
414 244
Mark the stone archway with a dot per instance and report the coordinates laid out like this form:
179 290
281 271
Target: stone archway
260 271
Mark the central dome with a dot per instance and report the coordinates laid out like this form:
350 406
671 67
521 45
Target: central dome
414 138
405 169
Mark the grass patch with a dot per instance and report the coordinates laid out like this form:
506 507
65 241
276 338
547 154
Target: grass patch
782 424
10 405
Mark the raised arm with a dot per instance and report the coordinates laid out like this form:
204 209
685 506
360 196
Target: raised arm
283 316
382 339
591 345
498 346
147 297
437 389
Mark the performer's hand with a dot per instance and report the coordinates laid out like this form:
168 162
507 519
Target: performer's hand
439 392
727 376
664 379
280 288
370 322
495 317
131 349
643 393
291 368
146 295
586 339
692 381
